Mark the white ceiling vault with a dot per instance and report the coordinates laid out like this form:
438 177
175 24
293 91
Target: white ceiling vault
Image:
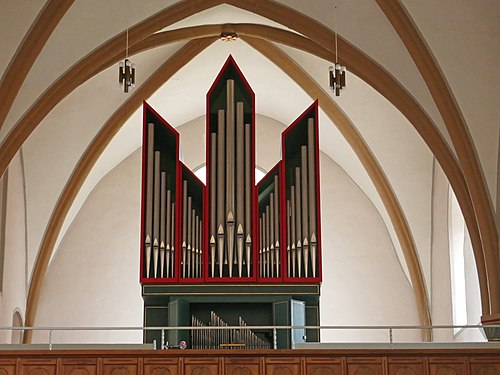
462 35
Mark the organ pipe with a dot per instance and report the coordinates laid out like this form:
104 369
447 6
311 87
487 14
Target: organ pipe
311 168
149 195
156 211
305 210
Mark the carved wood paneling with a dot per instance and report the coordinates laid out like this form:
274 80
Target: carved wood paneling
485 366
283 366
364 366
38 366
324 366
201 366
120 366
448 366
242 366
7 366
405 369
161 366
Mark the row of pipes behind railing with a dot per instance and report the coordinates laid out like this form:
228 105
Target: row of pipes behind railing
229 338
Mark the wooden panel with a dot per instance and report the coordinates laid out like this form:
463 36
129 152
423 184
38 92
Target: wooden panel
485 366
201 369
7 366
243 369
324 366
364 366
161 369
406 369
119 366
447 366
242 365
78 366
283 366
38 367
323 369
201 366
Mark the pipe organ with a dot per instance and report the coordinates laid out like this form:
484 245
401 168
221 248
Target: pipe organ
230 231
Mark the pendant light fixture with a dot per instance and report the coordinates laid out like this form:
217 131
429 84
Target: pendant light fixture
337 71
126 71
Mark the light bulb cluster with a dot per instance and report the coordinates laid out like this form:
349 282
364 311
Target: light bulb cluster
126 75
337 78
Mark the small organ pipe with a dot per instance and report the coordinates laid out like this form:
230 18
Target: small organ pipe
155 257
147 245
277 225
220 246
288 254
248 246
271 232
266 221
230 242
292 232
172 240
184 226
240 239
261 246
168 217
163 215
212 255
188 236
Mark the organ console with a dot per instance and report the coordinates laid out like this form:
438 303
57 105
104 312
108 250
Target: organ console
262 239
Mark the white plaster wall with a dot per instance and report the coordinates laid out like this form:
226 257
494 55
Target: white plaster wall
473 296
363 283
440 292
13 294
94 279
441 287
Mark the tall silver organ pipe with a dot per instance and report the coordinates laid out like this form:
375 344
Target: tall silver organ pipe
298 219
230 183
156 211
148 232
305 209
240 185
213 199
311 169
221 182
248 194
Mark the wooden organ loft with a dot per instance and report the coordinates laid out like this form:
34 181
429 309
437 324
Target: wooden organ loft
232 252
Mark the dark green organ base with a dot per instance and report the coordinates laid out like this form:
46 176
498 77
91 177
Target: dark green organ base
257 305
